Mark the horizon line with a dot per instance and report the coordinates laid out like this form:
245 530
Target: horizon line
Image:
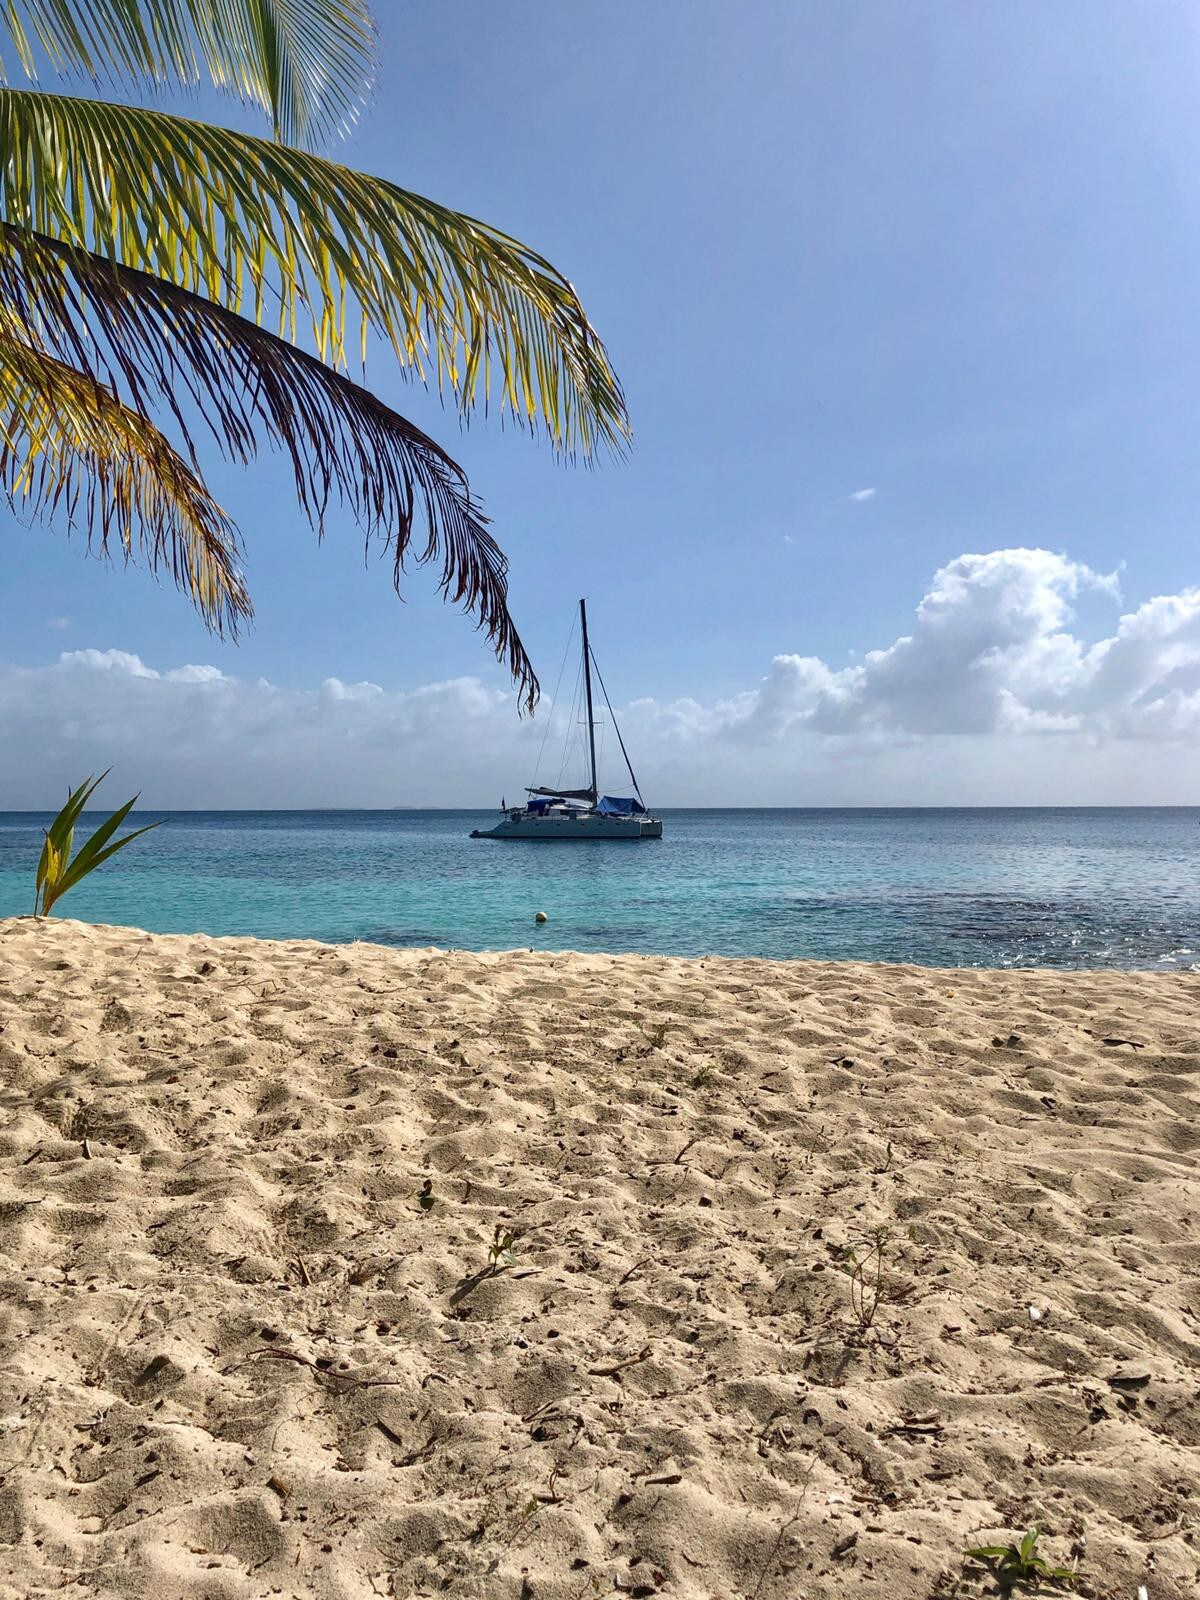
1158 805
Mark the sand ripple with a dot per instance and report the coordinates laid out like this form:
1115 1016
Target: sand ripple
240 1360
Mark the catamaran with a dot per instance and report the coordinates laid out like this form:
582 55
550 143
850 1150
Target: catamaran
580 813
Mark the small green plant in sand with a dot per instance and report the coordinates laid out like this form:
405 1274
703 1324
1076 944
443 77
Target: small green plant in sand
656 1034
503 1250
702 1077
1018 1566
868 1264
58 870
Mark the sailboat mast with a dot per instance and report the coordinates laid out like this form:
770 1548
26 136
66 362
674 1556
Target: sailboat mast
587 681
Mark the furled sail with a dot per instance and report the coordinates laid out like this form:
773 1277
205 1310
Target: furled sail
567 794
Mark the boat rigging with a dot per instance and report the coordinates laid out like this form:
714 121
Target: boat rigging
583 813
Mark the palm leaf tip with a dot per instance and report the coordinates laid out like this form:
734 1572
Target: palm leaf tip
70 448
309 64
345 445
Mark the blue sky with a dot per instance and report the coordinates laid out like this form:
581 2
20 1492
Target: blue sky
947 253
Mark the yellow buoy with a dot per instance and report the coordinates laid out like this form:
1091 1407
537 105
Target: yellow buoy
541 917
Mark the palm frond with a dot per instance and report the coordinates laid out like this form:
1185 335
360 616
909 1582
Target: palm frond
70 448
259 228
170 347
307 63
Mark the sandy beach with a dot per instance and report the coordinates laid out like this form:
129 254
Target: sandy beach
615 1347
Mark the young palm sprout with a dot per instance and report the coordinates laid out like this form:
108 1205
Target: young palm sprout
58 870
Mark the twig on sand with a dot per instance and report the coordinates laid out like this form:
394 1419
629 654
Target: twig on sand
773 1552
812 1148
914 1428
675 1161
304 1277
619 1366
322 1372
784 1530
421 1452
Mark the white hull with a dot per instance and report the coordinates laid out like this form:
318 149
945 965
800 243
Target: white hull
586 826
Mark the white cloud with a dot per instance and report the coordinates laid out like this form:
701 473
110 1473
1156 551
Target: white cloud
990 698
991 652
59 624
863 494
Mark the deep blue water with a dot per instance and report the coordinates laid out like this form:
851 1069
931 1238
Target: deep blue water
1064 888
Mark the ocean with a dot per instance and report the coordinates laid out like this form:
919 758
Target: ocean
1104 887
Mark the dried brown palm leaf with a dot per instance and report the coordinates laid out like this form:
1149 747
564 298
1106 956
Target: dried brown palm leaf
70 450
166 346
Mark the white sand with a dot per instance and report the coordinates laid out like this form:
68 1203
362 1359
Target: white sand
210 1158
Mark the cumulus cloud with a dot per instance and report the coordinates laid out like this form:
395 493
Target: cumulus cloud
194 735
991 652
991 697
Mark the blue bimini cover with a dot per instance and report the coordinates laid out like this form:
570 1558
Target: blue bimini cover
613 806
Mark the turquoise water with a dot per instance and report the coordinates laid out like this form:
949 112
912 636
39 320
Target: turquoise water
1067 888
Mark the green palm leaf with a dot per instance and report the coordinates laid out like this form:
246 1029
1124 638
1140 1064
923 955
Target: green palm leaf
307 63
97 849
167 346
251 225
60 835
57 870
69 448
